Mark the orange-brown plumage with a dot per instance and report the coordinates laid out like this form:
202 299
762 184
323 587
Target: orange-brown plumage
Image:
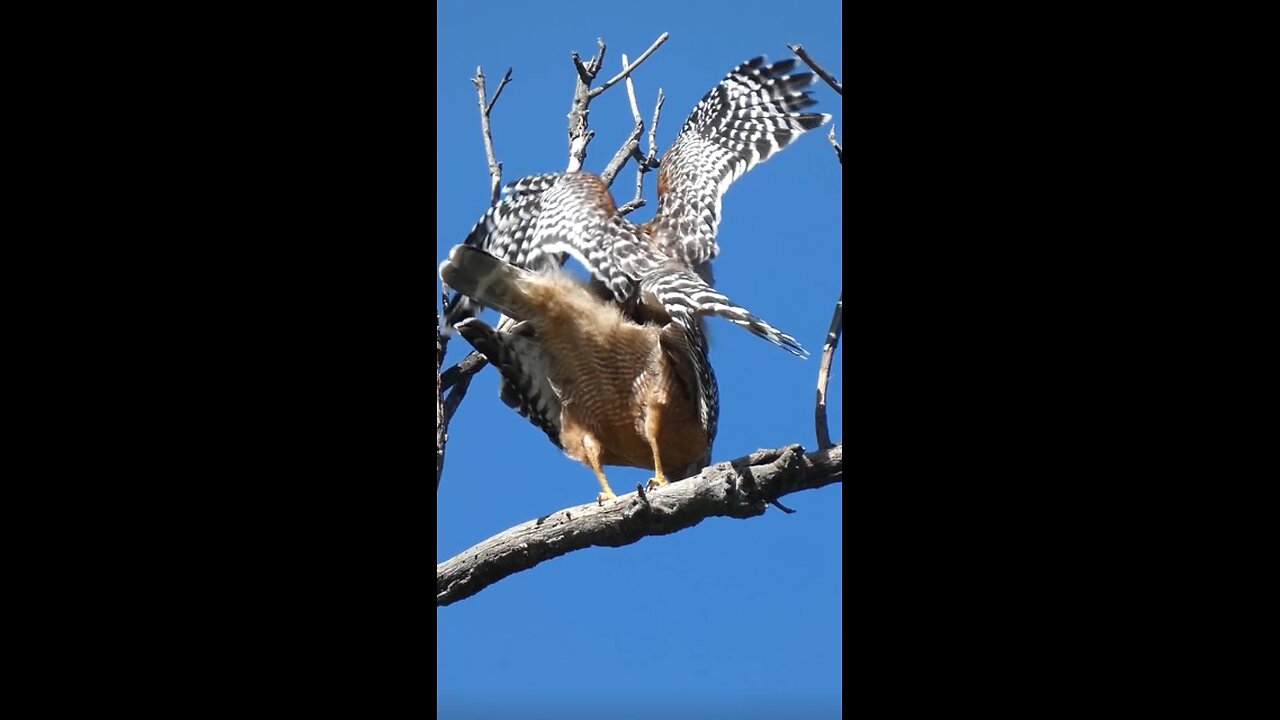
627 393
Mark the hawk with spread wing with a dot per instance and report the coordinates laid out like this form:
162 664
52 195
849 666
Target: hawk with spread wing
616 372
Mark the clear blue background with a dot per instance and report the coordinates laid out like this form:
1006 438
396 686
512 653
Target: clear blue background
731 618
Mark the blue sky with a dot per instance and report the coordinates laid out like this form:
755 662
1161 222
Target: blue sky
731 618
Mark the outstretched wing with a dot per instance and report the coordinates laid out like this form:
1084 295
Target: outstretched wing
544 218
684 296
749 116
667 289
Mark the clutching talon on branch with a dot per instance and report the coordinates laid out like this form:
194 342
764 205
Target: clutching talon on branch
657 481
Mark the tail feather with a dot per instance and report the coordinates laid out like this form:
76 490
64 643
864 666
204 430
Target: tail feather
487 280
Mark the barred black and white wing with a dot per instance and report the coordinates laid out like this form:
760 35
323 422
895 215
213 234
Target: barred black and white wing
752 114
543 219
684 297
524 368
686 350
506 231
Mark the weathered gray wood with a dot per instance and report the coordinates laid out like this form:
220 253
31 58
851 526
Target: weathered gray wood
739 488
824 372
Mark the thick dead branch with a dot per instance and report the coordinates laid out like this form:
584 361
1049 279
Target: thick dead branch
473 363
822 73
740 488
452 402
824 372
579 109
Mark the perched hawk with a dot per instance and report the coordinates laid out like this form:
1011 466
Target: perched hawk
605 389
623 365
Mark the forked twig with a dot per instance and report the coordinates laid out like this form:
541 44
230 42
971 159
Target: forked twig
626 69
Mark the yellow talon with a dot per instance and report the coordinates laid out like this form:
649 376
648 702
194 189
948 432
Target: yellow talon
607 495
656 481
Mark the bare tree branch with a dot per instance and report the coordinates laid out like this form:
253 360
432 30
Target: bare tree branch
579 135
588 72
473 363
822 73
837 318
631 144
495 167
652 159
440 429
626 69
459 376
506 78
835 85
644 163
824 372
636 202
740 488
452 402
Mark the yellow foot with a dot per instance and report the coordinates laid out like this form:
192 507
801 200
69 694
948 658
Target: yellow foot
656 481
607 495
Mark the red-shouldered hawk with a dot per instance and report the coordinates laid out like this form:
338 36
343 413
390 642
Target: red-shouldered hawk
651 285
605 389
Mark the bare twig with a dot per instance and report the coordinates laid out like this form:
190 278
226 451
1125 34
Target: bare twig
631 144
506 78
579 135
495 167
824 373
652 159
822 73
639 491
459 376
636 202
588 72
741 488
644 163
583 73
631 97
626 69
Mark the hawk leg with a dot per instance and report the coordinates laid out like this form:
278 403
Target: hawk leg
651 421
593 450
